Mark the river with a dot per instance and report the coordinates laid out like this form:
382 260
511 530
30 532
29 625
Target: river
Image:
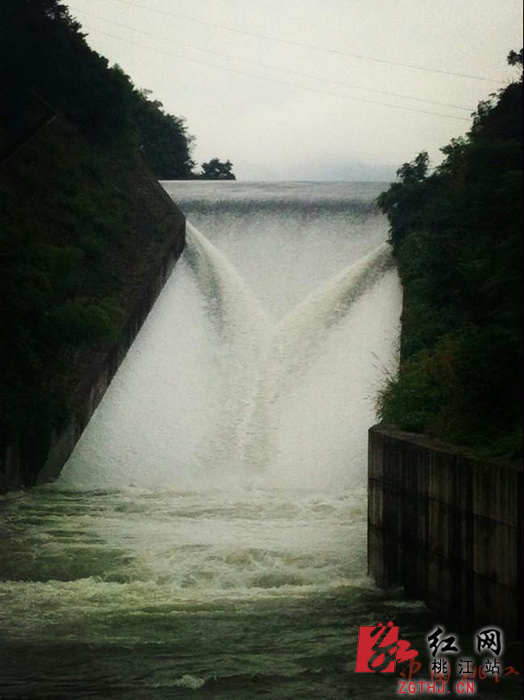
207 538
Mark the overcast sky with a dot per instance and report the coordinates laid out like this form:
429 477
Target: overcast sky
275 131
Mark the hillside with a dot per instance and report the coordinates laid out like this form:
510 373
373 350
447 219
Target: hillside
456 234
86 231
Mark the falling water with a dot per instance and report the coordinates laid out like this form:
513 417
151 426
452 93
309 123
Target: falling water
212 516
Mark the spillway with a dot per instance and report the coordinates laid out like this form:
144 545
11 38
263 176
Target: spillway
212 518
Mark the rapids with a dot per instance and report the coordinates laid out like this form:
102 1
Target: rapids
207 538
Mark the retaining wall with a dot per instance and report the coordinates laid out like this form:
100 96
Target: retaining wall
446 527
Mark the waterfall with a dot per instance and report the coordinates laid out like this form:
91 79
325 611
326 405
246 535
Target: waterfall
294 344
243 331
216 500
215 392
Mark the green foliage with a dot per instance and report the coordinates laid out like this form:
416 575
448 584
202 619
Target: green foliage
79 322
45 52
79 221
217 170
456 235
414 399
48 66
515 59
164 140
74 245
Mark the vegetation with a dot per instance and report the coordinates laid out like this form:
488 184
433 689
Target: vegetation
80 233
82 223
45 59
217 170
44 52
456 234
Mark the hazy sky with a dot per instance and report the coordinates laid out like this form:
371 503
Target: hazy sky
274 131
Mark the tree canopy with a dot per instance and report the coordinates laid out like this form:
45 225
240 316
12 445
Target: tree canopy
82 223
43 53
215 169
456 234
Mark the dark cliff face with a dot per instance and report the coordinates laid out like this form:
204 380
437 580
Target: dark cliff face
87 239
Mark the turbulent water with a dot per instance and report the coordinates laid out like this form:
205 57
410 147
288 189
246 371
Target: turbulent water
208 536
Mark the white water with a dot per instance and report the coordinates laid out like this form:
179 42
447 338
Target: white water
222 479
213 392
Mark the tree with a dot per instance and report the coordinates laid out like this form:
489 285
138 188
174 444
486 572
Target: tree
217 170
164 141
415 171
456 235
515 58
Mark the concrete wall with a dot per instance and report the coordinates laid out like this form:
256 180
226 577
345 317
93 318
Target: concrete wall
43 459
105 366
446 527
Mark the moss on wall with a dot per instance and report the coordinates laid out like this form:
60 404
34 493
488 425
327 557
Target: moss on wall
86 234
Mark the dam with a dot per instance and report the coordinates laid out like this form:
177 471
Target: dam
207 537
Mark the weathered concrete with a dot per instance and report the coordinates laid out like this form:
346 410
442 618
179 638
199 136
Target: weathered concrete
40 457
446 527
53 454
95 384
